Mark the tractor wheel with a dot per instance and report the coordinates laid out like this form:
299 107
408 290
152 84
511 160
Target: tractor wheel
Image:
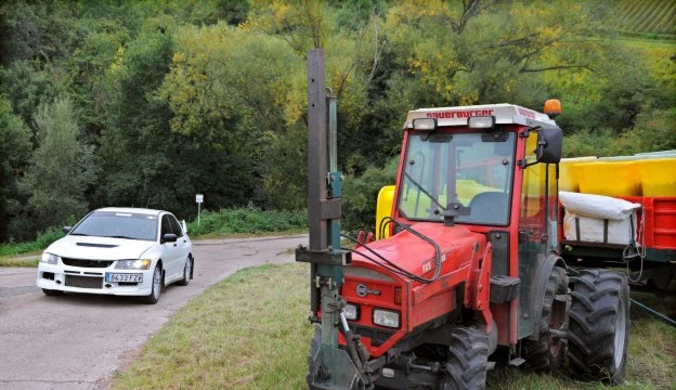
599 325
546 353
468 360
314 347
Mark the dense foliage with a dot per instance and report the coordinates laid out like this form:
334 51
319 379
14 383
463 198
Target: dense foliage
145 103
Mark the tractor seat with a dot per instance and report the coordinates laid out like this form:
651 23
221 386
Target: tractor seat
488 207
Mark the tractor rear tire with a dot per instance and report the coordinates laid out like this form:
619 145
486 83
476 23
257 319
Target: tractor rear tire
546 353
468 360
599 326
314 347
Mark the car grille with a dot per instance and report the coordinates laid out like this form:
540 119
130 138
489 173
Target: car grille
83 282
86 263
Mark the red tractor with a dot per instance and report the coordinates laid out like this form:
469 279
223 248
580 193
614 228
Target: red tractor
469 273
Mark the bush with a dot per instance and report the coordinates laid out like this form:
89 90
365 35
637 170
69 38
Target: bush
43 240
248 220
360 195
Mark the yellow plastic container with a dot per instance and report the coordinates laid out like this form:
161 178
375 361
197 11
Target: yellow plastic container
658 176
384 208
612 178
568 177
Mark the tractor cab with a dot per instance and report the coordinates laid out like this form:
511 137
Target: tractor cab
491 169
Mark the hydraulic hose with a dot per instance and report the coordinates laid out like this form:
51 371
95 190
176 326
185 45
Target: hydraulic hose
392 266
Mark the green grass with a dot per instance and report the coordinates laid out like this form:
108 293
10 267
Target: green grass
250 331
10 262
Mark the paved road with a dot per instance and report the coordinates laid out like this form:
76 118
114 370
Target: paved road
78 341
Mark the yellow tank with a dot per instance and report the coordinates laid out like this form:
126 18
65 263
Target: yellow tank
610 178
658 176
384 208
568 177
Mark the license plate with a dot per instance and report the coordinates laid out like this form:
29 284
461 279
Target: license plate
124 278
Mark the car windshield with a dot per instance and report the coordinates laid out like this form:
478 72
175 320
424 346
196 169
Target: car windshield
476 167
119 225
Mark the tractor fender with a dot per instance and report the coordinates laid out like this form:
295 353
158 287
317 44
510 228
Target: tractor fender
539 287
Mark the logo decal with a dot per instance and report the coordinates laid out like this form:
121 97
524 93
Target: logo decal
363 291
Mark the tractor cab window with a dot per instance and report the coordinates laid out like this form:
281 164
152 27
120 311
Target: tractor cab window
474 169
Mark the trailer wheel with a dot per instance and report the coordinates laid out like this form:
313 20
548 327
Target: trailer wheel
546 353
599 326
468 360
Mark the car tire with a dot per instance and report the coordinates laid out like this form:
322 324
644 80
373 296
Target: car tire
156 289
52 293
187 272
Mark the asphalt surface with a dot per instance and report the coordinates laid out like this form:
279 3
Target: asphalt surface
78 341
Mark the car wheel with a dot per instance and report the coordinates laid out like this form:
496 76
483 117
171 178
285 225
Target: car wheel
52 293
187 272
156 287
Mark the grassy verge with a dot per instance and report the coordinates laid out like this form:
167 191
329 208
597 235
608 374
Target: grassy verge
248 221
9 262
44 239
250 332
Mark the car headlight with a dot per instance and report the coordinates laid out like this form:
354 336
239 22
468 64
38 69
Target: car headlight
386 318
49 258
351 312
133 264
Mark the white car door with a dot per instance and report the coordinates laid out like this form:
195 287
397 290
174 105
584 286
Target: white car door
183 245
170 252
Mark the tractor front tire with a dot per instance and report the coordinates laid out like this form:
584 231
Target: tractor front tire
468 360
546 353
598 334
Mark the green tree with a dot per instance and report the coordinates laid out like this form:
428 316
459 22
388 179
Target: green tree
14 151
61 170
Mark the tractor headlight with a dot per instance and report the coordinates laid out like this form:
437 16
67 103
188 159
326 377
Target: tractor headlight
351 312
133 264
386 318
49 258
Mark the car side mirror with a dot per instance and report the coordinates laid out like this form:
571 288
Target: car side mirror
67 229
169 237
550 146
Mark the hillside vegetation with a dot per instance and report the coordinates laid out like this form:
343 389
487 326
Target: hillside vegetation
647 16
146 103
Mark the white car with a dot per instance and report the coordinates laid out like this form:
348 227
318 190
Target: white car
119 251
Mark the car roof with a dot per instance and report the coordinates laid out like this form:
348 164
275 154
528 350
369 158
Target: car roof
133 210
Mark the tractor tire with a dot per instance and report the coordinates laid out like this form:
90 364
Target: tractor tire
598 334
468 360
314 347
546 353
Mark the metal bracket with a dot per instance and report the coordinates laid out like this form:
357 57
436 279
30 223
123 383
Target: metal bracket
325 256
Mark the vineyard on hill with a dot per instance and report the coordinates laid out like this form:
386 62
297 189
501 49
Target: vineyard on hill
647 17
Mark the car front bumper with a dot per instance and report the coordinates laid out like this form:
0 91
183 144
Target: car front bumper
61 277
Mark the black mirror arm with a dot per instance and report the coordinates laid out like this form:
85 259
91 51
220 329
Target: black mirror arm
540 145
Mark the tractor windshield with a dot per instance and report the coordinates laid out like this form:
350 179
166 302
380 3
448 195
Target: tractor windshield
474 169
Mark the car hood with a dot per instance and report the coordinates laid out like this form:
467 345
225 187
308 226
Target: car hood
99 248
